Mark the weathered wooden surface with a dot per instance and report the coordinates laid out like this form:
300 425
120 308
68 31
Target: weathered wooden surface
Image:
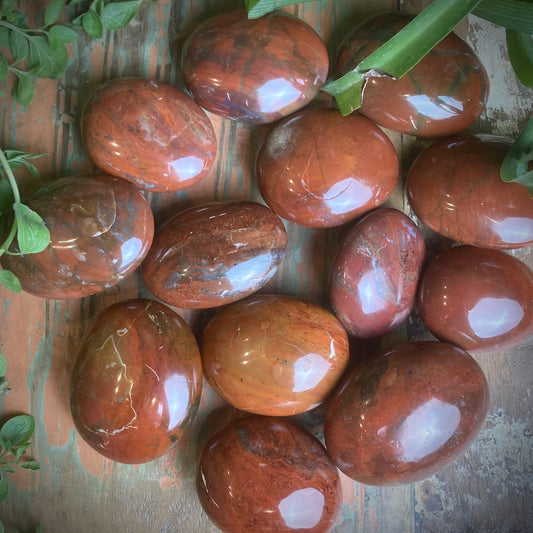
489 489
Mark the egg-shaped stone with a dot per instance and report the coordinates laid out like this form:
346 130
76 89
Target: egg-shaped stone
274 355
375 273
214 254
478 299
320 169
261 474
405 413
454 187
101 228
149 133
256 70
136 383
442 95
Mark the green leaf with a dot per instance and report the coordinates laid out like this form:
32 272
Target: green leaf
258 8
92 24
10 281
4 487
6 195
21 450
402 52
24 90
16 18
520 46
4 67
3 366
45 61
7 6
53 12
515 164
19 46
16 431
4 37
63 33
512 14
30 465
32 234
97 5
38 529
119 14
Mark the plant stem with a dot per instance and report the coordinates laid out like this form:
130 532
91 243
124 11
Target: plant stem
16 195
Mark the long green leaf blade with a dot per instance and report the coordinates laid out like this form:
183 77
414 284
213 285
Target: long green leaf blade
515 164
512 14
403 51
258 8
520 47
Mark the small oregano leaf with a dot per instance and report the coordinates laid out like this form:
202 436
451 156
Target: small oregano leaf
3 366
10 281
53 12
24 90
4 37
4 487
30 465
7 7
63 33
16 431
92 24
32 234
19 46
119 14
4 67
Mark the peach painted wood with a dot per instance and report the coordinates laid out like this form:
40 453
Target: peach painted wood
76 489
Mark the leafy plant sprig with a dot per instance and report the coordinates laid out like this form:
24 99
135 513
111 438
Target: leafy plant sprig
27 226
15 437
42 52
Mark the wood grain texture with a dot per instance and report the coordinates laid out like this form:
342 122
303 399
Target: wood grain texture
489 489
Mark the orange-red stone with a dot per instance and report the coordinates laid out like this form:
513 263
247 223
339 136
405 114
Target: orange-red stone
481 300
149 133
214 254
375 273
442 95
274 355
101 228
263 474
454 187
320 169
405 413
136 383
254 70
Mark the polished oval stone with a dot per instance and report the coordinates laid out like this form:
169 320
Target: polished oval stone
442 95
254 70
136 383
320 169
375 273
405 413
267 474
101 228
481 300
149 133
274 355
214 254
454 187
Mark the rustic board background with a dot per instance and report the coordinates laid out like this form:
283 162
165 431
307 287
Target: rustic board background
489 489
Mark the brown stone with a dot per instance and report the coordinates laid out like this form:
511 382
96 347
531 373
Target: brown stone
254 70
320 169
136 383
266 474
405 413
